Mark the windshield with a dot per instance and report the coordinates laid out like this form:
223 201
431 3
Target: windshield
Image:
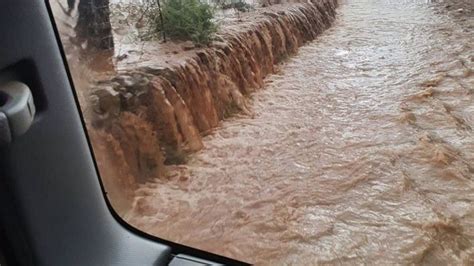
283 132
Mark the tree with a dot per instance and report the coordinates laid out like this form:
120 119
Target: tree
93 23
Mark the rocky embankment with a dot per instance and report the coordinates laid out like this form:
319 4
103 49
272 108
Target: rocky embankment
152 116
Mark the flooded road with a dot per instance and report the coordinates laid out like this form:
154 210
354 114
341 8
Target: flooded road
360 150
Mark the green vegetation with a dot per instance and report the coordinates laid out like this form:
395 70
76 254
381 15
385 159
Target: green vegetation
182 20
238 5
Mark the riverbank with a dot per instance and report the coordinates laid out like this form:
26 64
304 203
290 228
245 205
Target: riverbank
155 111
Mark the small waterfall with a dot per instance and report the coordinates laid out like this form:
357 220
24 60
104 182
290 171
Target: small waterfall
153 116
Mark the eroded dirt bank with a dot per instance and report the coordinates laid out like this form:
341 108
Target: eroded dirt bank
360 151
156 112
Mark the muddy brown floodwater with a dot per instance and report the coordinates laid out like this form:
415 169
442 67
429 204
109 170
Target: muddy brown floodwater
360 150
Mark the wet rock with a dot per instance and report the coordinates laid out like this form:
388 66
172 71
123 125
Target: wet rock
124 80
129 100
188 46
128 82
107 100
155 71
94 101
120 89
122 57
142 81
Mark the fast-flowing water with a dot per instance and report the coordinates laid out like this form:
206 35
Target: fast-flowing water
360 149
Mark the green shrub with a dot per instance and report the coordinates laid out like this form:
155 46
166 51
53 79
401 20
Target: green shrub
238 5
183 20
